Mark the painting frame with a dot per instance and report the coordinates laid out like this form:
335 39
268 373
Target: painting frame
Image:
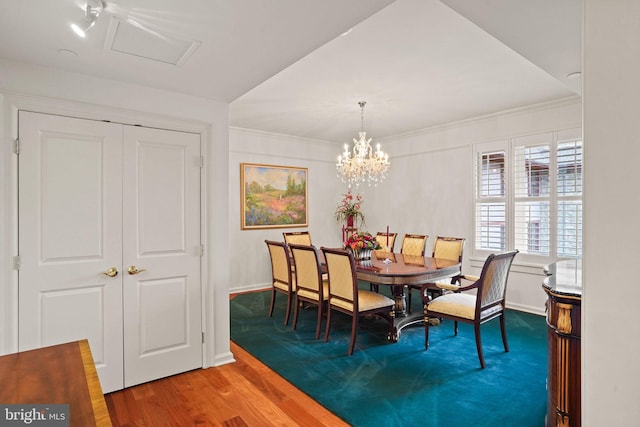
273 196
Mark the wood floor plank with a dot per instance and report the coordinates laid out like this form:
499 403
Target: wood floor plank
244 393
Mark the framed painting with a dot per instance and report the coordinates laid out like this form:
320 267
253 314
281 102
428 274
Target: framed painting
273 196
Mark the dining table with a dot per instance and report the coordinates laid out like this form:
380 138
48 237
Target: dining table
398 270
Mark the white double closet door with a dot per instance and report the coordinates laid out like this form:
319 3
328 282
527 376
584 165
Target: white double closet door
96 198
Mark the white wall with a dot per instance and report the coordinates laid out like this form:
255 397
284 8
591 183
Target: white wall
611 227
56 92
253 270
428 190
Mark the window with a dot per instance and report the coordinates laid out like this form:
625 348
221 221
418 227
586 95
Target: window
490 209
529 195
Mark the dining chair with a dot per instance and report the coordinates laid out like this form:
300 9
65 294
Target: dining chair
414 244
381 238
297 237
449 248
486 303
345 297
283 280
311 287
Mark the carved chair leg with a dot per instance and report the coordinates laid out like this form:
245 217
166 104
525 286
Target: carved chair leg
295 314
426 332
476 327
273 301
455 327
286 317
503 330
326 330
319 320
354 332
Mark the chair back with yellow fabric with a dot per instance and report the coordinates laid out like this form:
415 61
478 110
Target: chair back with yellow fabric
343 282
381 238
414 244
282 279
492 286
297 237
448 248
310 284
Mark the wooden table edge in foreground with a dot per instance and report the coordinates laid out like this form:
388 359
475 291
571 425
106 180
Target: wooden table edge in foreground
62 374
100 411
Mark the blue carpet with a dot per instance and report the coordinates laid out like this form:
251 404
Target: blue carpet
401 384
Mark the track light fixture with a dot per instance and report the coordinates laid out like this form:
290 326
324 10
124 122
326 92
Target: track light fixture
92 11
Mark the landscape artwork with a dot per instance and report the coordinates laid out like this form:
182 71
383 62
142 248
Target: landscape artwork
273 196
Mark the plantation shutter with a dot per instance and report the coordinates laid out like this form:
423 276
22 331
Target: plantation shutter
490 201
569 173
532 224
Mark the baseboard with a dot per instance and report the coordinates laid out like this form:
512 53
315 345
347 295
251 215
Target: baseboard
526 309
249 288
223 359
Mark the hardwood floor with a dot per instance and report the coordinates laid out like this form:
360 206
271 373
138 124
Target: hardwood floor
245 393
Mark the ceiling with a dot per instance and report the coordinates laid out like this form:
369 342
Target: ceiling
300 67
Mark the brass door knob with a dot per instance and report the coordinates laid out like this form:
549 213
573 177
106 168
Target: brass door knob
134 270
112 272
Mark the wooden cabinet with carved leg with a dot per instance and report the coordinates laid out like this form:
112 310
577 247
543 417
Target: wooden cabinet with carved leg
563 287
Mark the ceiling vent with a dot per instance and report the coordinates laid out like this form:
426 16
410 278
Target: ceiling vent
124 37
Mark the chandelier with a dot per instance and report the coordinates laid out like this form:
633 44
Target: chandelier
362 164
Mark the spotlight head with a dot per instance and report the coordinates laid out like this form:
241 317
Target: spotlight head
92 12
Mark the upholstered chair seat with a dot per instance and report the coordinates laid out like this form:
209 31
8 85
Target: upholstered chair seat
367 301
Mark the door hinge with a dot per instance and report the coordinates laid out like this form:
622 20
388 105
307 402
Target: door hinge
16 262
201 162
201 250
16 147
202 337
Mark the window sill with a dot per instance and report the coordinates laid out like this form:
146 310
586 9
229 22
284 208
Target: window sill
518 267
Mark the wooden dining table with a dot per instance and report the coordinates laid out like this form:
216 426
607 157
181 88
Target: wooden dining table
397 270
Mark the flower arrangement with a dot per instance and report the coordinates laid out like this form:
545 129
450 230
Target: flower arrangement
361 240
349 206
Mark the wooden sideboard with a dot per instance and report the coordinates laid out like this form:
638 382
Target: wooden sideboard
60 374
563 286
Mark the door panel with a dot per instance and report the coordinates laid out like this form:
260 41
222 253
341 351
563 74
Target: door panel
164 308
62 189
161 197
161 238
71 313
70 222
